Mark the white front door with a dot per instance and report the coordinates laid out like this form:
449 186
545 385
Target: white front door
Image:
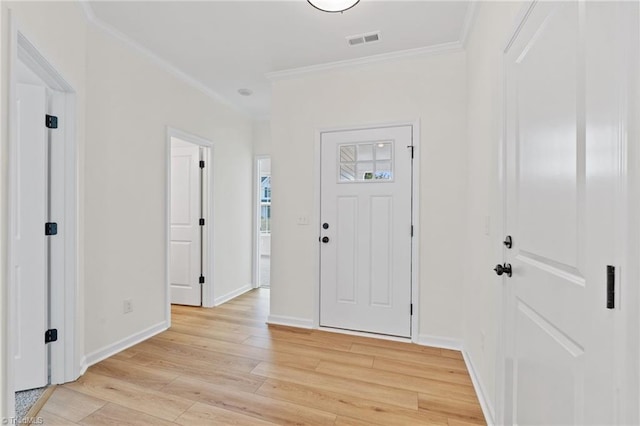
365 256
562 173
29 260
186 244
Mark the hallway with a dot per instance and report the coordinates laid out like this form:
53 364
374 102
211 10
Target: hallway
227 366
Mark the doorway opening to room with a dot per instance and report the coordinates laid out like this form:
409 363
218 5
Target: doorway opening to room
190 221
263 221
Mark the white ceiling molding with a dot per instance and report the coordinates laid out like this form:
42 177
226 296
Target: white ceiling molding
469 19
450 47
167 66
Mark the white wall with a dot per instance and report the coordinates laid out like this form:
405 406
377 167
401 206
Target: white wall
131 101
59 32
125 102
482 290
262 137
431 89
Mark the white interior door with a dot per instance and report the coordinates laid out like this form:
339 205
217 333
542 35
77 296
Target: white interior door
29 260
562 157
186 244
365 282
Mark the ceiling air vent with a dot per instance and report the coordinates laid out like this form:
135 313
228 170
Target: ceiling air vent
359 39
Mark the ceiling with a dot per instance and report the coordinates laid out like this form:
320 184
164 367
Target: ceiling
229 45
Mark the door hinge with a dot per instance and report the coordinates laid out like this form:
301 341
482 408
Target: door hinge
412 148
51 121
611 287
202 164
411 309
51 228
201 221
201 279
412 230
51 335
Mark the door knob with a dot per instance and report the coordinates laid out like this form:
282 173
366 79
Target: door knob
503 269
325 239
325 226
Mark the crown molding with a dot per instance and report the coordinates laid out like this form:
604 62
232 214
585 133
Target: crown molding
469 19
163 64
437 49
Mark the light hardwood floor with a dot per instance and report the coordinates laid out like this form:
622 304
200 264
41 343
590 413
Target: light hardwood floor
226 366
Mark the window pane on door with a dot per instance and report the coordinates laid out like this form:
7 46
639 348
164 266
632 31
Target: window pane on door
365 162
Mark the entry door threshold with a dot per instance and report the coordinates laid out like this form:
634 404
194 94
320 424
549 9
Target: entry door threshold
365 334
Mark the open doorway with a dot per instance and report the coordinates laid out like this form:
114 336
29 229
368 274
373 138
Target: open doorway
189 269
263 216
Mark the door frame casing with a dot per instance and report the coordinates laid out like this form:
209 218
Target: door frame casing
65 356
207 245
256 218
415 215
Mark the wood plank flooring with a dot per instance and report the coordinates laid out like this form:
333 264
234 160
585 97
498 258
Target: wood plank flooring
225 366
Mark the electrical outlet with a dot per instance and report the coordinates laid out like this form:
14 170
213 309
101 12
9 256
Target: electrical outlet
127 306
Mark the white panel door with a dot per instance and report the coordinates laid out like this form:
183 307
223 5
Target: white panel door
29 260
365 258
185 268
562 159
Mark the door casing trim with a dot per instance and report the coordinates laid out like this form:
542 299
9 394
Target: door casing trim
208 245
256 220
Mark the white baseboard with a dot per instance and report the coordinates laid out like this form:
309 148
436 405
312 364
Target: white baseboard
439 342
232 295
289 321
110 350
481 392
83 366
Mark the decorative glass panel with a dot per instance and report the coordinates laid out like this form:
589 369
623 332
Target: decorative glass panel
365 152
383 170
383 151
365 170
347 153
366 162
348 172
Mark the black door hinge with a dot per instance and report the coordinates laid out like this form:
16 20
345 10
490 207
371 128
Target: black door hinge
411 309
202 164
51 228
412 230
611 287
201 221
201 279
51 335
412 148
51 121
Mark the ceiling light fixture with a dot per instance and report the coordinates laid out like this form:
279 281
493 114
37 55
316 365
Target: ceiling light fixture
333 6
